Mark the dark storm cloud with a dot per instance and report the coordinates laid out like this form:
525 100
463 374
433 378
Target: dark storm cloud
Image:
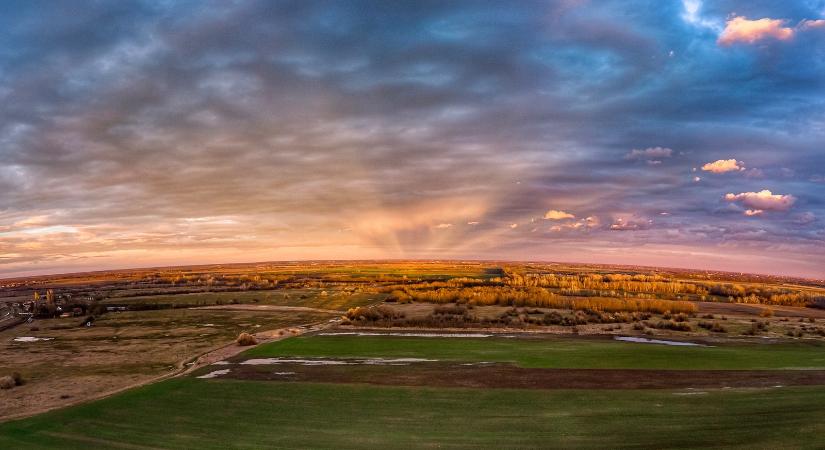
314 129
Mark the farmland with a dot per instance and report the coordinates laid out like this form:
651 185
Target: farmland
345 349
248 413
555 352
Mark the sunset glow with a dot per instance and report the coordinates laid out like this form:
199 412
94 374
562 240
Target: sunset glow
685 134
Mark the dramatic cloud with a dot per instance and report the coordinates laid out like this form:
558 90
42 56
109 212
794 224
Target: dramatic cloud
762 201
554 214
740 29
724 165
153 132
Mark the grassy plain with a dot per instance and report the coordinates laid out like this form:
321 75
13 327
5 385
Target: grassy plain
748 322
556 352
191 413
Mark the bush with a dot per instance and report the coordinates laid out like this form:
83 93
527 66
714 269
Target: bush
756 328
767 312
246 339
7 382
715 327
670 325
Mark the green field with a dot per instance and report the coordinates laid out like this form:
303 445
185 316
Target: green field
309 298
557 352
191 413
226 413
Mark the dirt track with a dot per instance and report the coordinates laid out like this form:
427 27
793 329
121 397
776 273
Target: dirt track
246 307
228 351
754 310
497 375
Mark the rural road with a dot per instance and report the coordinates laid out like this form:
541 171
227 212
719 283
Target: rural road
243 307
263 337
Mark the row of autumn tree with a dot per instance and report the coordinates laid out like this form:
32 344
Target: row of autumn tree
536 297
611 284
546 289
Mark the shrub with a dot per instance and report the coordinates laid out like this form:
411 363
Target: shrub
456 310
246 339
553 318
671 325
7 382
756 328
767 312
715 327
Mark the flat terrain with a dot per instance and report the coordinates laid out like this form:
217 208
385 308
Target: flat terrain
120 350
557 352
413 354
286 411
219 414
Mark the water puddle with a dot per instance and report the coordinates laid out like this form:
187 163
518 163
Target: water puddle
305 362
336 362
641 340
215 373
427 335
31 339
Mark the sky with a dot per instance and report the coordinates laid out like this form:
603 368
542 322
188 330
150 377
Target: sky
668 133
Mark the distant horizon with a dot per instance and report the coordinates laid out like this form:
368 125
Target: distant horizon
402 260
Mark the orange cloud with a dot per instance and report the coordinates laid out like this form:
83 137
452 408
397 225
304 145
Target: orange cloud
740 29
724 165
555 214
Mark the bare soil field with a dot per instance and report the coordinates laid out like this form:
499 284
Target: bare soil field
743 309
75 363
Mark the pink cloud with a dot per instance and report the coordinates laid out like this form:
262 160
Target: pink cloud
810 24
761 201
740 29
